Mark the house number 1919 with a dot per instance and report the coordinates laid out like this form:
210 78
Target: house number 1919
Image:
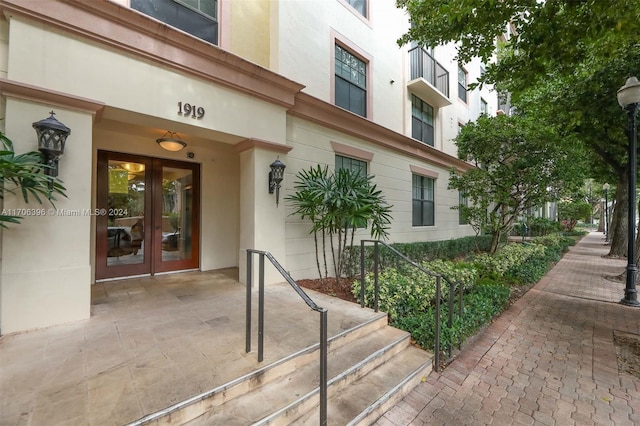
190 110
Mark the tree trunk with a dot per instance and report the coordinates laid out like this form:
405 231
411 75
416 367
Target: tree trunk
495 240
601 217
618 232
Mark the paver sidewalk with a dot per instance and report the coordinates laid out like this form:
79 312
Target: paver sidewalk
550 359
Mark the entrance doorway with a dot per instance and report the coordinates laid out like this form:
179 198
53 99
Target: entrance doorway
147 216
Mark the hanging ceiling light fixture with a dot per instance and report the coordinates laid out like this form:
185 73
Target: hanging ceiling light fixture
171 142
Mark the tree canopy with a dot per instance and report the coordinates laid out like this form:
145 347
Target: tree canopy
549 38
562 61
520 165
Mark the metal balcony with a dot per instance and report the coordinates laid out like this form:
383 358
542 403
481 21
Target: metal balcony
429 80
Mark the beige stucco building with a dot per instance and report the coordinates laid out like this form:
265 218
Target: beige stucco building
306 81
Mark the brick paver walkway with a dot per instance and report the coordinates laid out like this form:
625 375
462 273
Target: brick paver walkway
550 359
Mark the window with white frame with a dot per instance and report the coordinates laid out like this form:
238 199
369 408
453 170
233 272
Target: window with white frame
350 81
462 84
196 17
423 201
422 120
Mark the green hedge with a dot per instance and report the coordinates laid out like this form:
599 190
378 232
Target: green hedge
407 294
409 291
485 300
417 252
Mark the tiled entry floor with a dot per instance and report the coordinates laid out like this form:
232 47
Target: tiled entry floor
152 342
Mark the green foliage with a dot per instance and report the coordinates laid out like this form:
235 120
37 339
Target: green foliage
553 37
408 295
570 212
24 174
417 252
485 300
520 165
563 68
410 290
539 226
337 204
500 263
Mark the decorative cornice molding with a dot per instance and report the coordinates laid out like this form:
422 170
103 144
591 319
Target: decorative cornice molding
28 92
423 172
315 110
128 30
253 143
350 151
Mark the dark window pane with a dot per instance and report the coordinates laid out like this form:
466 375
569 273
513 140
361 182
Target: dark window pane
423 213
182 17
417 213
357 101
422 120
351 164
342 93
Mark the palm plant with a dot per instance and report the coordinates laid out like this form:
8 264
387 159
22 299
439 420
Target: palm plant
337 205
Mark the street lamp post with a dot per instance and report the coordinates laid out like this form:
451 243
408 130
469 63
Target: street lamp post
606 211
629 99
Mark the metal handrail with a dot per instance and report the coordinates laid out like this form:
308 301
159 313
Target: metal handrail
307 300
438 277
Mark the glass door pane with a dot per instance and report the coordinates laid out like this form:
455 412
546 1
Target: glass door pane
177 205
123 220
125 213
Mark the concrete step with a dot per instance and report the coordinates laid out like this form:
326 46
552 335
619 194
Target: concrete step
363 401
282 401
186 411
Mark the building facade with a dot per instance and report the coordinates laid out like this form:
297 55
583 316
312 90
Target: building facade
240 83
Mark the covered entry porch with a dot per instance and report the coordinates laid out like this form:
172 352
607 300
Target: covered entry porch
152 342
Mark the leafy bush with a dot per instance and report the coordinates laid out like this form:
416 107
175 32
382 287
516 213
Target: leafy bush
400 293
485 300
410 290
417 252
509 256
540 226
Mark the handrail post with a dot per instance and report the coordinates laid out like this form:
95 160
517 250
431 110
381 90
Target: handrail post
437 336
248 302
460 309
376 284
323 366
261 310
452 296
362 280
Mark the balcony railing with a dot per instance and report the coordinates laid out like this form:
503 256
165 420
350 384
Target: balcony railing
425 66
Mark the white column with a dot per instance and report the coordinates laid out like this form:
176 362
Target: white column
262 222
46 259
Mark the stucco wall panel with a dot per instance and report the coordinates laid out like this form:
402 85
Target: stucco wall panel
70 65
46 263
392 175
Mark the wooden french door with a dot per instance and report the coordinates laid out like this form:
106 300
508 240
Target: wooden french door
147 216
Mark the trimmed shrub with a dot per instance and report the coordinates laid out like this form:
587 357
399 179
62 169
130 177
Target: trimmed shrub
485 300
409 291
417 252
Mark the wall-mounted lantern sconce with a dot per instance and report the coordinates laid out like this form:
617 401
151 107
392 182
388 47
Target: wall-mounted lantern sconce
171 142
275 178
52 135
